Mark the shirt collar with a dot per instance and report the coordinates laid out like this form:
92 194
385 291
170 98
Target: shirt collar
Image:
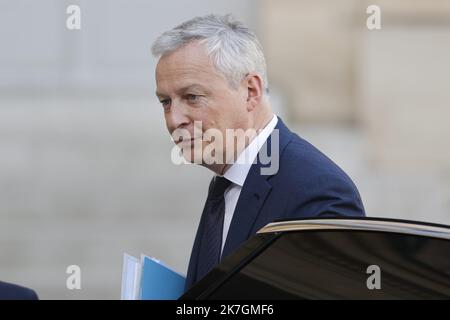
238 171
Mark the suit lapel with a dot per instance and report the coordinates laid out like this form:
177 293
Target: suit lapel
253 194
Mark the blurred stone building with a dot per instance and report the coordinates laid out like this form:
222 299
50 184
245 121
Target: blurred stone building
392 86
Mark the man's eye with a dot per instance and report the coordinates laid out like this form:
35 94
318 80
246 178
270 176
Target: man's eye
192 97
165 102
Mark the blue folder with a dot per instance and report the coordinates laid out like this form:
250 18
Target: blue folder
158 282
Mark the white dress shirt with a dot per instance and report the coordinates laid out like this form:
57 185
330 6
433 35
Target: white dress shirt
238 172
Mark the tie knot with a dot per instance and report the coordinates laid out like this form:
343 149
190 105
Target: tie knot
220 184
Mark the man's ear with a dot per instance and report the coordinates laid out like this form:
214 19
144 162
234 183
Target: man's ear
255 88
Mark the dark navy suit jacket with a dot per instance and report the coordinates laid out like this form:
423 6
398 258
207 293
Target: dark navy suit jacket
307 184
10 291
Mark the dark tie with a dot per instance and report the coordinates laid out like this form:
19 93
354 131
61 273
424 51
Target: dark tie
212 233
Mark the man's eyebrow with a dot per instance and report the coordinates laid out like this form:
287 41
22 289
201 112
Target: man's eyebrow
160 95
191 87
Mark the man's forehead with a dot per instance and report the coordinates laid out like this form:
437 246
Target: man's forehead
177 72
183 87
183 76
181 72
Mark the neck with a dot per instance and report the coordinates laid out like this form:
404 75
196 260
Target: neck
264 120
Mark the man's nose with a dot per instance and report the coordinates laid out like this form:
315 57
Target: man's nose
178 117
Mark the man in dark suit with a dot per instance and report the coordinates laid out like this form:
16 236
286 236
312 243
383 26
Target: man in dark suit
10 291
212 84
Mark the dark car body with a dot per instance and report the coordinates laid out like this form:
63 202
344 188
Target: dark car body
344 258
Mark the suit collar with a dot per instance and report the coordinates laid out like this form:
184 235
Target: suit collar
256 188
238 171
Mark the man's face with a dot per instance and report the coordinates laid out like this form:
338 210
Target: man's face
190 89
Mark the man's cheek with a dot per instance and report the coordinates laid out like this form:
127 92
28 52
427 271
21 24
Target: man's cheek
169 127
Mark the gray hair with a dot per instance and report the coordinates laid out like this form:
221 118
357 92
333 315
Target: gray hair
234 49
